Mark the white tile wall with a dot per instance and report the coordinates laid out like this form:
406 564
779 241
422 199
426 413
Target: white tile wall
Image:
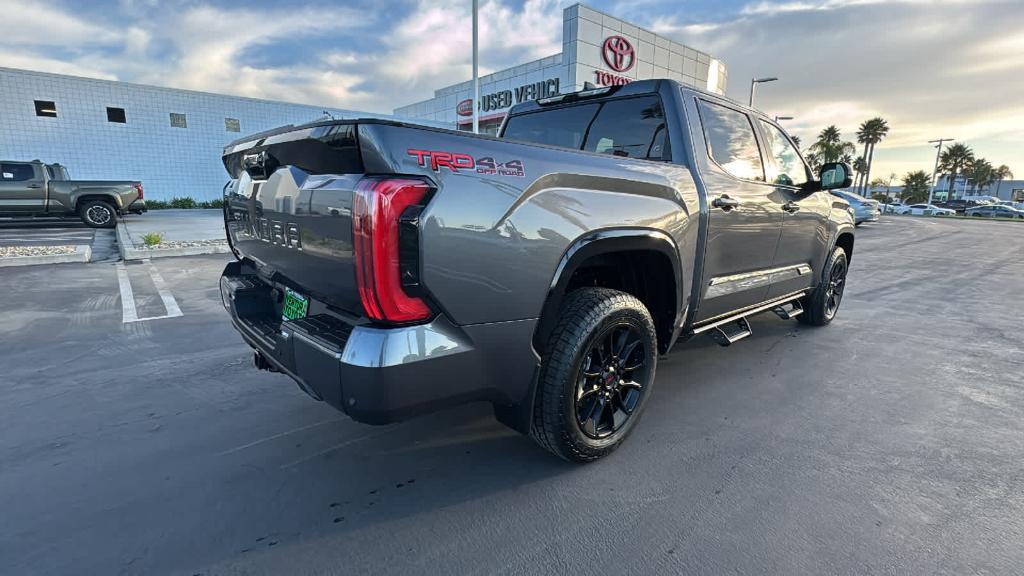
169 161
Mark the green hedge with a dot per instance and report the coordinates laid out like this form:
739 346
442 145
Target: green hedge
183 203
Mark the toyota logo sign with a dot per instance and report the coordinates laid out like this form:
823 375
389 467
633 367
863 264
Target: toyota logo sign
618 53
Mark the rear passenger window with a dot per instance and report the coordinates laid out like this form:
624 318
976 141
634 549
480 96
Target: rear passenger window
17 172
631 128
731 142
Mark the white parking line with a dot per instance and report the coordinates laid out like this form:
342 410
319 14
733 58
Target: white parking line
170 304
128 312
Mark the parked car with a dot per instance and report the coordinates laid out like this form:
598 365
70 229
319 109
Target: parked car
995 211
981 198
37 189
894 207
393 269
864 209
927 210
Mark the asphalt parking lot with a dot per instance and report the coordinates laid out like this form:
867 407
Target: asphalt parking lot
137 440
58 232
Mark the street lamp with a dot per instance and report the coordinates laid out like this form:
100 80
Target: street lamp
777 118
755 82
935 171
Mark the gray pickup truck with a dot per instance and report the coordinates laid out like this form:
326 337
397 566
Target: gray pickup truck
392 269
29 189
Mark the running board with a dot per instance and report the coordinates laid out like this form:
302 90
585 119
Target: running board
789 310
726 334
736 327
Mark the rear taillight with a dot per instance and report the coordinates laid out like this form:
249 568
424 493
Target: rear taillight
379 232
138 188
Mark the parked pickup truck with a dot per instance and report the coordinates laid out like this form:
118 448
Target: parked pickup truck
38 189
392 269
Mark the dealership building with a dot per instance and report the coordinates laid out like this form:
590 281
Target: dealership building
171 140
597 50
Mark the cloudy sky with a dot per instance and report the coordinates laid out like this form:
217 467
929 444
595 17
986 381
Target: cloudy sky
932 68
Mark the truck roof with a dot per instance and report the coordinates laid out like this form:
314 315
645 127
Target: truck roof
633 88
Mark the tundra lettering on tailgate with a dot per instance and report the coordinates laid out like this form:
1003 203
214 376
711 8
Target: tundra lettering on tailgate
456 161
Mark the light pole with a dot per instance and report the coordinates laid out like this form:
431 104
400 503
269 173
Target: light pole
754 82
476 71
935 171
777 118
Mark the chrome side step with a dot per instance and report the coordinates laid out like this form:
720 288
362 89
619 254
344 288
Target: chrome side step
789 310
737 327
726 334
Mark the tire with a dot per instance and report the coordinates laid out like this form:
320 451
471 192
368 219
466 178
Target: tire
588 403
819 308
98 214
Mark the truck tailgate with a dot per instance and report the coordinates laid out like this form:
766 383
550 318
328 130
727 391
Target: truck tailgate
290 212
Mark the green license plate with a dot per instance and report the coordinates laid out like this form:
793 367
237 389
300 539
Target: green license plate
295 305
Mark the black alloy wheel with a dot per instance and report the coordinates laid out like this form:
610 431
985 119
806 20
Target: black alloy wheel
597 374
835 287
608 386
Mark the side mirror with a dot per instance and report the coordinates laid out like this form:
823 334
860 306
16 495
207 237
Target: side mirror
835 175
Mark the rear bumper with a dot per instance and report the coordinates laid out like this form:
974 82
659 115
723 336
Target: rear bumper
383 375
865 214
136 207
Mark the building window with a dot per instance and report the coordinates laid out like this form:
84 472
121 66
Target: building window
178 120
232 125
116 115
46 108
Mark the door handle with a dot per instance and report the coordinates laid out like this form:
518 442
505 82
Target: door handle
35 185
725 203
791 207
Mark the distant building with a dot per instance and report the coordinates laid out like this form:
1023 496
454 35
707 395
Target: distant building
1005 190
169 139
597 50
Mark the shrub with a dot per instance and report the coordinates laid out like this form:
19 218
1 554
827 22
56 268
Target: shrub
185 202
152 238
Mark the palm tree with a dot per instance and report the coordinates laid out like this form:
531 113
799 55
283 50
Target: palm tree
877 184
796 140
860 166
871 132
1001 173
830 147
915 187
981 172
953 161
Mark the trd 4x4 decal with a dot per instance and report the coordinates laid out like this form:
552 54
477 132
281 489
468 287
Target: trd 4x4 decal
456 162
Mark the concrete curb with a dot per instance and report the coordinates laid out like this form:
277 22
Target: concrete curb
129 252
82 254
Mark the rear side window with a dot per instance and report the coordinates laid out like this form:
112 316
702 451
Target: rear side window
731 142
631 128
564 127
17 172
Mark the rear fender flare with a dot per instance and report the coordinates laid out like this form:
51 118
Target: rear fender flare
606 242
